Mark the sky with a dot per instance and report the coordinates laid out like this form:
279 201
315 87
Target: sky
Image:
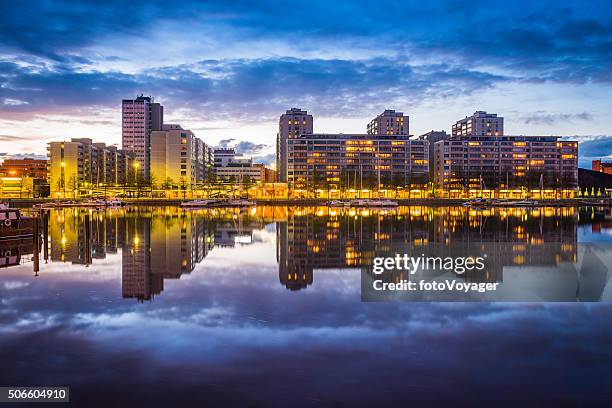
228 69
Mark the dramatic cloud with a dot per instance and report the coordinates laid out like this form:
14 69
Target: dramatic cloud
220 66
552 118
599 147
246 89
261 153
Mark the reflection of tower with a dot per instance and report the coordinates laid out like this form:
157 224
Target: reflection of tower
138 280
294 275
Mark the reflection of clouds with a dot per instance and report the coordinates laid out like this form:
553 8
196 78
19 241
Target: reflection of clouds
10 285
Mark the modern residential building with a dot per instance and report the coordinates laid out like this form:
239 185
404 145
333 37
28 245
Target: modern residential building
356 161
81 164
237 167
479 124
292 123
603 167
432 137
178 157
270 175
506 163
389 122
26 167
140 116
24 178
223 155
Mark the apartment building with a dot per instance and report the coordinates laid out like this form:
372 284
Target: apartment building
506 162
179 157
139 117
230 165
432 137
389 122
80 164
292 123
479 124
357 161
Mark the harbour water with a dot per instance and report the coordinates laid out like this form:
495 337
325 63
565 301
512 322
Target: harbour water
167 306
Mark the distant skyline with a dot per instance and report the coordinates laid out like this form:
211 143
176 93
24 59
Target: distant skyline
228 70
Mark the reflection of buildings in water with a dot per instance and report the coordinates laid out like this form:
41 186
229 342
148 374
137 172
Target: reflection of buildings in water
600 219
173 245
178 244
509 237
137 278
79 236
320 238
154 246
228 235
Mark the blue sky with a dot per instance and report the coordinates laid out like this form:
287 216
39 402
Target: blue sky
227 70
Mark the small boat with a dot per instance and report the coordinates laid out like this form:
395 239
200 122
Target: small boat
114 203
14 225
338 203
479 202
373 203
198 203
516 203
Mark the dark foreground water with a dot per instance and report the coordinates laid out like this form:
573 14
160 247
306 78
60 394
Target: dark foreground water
164 307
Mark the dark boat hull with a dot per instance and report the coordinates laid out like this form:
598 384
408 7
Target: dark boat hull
23 227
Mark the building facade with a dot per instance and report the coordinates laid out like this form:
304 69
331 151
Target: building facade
233 166
80 164
603 167
479 124
357 161
178 157
432 137
26 167
506 162
292 123
140 116
389 122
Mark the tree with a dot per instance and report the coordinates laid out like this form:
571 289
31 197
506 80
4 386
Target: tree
247 182
73 185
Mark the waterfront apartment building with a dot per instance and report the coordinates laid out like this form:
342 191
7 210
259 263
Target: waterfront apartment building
178 157
479 124
81 164
26 167
389 122
139 117
292 123
356 161
432 137
506 163
230 165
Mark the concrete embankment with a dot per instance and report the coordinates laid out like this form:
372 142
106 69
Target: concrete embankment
434 202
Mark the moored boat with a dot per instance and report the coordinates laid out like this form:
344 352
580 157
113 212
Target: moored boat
198 203
338 203
14 225
365 202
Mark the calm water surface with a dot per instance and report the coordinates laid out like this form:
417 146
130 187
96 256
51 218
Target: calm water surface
161 306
